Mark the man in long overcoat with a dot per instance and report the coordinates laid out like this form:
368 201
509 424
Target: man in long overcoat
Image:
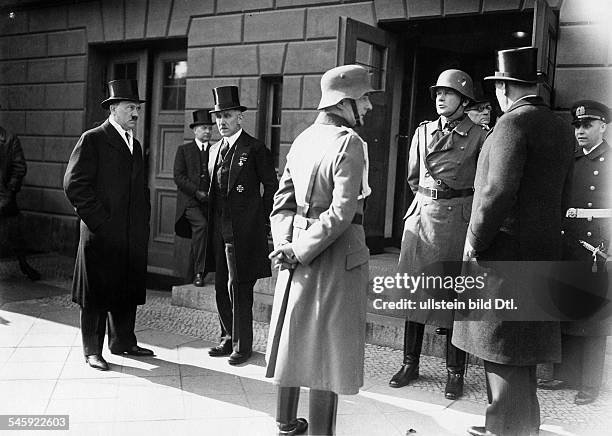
522 181
193 181
588 219
12 171
106 183
317 332
237 242
441 170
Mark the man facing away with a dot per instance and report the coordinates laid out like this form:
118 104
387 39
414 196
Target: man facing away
106 183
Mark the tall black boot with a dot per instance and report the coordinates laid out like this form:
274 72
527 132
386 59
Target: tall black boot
455 365
413 343
323 406
27 270
286 412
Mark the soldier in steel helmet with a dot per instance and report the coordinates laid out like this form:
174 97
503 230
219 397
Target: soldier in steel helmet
441 170
317 333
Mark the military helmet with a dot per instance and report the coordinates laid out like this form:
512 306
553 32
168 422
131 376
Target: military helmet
457 80
346 81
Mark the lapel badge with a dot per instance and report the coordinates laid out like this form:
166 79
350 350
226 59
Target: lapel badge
240 188
242 159
580 111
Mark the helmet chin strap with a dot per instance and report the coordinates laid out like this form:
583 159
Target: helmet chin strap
455 111
355 113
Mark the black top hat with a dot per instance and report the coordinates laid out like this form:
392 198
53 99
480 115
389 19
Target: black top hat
122 90
201 116
516 65
226 98
590 109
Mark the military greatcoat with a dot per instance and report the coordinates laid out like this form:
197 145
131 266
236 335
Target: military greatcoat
321 343
434 229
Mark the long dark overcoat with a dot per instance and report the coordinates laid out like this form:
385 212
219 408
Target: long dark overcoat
252 166
521 191
12 171
187 176
108 188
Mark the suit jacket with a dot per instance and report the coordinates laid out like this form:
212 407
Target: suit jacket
12 171
107 186
187 175
251 167
521 191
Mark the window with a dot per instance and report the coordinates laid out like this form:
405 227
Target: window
372 57
173 85
271 108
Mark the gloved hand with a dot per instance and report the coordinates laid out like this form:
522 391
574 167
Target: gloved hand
284 257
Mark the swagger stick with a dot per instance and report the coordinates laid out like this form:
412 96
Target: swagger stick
279 327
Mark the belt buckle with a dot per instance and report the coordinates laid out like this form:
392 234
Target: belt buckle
434 193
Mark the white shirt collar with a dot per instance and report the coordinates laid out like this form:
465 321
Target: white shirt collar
592 149
231 140
201 144
122 133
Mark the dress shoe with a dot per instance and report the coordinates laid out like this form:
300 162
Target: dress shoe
441 331
479 431
136 351
586 396
223 349
454 385
553 385
407 373
199 280
28 271
96 361
298 427
238 358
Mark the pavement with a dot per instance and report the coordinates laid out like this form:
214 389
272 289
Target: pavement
184 391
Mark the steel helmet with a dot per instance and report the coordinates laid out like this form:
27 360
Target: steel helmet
458 80
346 81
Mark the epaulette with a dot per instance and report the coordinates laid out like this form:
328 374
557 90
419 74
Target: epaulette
424 122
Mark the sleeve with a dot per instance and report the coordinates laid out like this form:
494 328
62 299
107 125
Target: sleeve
181 178
80 183
347 173
494 199
18 167
267 177
283 209
413 163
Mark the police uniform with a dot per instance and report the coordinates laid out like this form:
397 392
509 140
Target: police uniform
588 221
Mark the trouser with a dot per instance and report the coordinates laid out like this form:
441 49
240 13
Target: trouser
120 324
513 408
13 235
413 343
323 406
234 299
196 218
582 361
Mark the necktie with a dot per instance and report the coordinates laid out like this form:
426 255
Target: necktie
127 136
224 148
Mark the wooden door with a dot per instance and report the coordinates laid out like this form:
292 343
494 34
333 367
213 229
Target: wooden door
544 37
167 109
373 48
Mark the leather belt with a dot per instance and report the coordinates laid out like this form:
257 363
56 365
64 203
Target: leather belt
447 193
588 213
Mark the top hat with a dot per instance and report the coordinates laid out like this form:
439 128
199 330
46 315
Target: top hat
122 90
201 116
226 98
590 109
516 65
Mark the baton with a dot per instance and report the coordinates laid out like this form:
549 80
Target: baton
279 327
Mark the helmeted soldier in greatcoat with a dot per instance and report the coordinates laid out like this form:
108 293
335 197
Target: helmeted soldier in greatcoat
441 170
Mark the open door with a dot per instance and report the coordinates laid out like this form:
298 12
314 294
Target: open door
373 48
544 37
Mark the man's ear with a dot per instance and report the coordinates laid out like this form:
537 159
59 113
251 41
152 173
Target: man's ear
501 85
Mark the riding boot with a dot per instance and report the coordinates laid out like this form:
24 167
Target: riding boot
455 365
323 406
413 343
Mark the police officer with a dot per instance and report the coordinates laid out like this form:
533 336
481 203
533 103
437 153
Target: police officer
441 170
583 342
317 333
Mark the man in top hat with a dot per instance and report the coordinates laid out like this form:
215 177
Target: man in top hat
237 241
522 180
106 183
589 219
192 179
441 169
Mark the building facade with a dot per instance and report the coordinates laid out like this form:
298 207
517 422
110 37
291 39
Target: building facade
56 56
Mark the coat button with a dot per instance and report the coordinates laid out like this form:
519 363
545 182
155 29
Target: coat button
450 207
458 162
589 234
595 173
589 218
589 204
592 188
426 173
601 159
462 147
563 232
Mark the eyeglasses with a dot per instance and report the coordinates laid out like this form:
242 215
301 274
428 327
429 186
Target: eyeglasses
481 107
